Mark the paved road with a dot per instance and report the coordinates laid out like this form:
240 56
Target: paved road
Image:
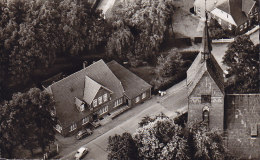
175 100
255 37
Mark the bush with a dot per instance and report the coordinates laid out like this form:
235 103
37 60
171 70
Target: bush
189 55
182 62
217 32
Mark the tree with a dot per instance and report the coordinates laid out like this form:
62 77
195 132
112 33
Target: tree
168 69
8 133
27 120
242 59
159 137
205 144
169 65
122 147
145 22
34 32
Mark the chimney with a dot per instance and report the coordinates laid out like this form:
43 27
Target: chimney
85 64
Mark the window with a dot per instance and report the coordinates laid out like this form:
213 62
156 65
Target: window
95 102
100 100
253 130
73 127
205 98
85 120
245 25
82 107
118 102
103 110
137 99
58 128
206 116
105 97
144 95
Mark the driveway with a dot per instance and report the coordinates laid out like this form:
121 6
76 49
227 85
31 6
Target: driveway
128 122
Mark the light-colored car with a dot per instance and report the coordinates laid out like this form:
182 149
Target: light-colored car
81 152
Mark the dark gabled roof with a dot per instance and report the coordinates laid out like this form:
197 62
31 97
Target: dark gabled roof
234 8
198 69
225 6
216 72
204 62
247 5
65 90
133 85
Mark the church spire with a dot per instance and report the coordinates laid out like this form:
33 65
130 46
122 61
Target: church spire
206 41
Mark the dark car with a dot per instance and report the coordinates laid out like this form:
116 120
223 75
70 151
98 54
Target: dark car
83 133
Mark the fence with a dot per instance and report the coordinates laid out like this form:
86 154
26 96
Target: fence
223 40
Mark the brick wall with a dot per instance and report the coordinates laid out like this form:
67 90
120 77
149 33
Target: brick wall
148 96
242 111
206 86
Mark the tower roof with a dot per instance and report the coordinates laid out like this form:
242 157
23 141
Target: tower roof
206 41
205 62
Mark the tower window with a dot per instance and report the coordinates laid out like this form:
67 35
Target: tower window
205 116
205 98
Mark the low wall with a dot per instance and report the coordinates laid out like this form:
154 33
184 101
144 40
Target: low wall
252 30
223 40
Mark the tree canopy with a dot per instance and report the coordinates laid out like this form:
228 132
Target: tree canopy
27 120
122 147
242 59
139 27
34 32
160 137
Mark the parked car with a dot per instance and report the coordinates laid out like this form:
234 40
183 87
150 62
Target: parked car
81 152
95 124
83 133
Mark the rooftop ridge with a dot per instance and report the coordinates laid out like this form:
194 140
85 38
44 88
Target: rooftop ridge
63 79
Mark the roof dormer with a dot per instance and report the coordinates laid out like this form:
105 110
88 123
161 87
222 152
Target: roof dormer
79 104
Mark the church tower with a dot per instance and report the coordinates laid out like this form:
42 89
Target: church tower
205 86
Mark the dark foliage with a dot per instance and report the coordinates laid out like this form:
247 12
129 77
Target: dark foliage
26 121
159 137
139 29
34 32
217 32
172 69
122 147
242 58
